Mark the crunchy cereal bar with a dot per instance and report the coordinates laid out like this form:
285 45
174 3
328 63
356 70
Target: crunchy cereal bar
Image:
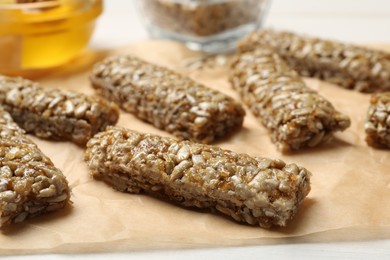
55 114
350 66
378 121
30 184
258 191
167 99
296 115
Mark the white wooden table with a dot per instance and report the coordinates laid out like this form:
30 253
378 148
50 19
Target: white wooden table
359 21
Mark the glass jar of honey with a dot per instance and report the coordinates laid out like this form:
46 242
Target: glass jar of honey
36 35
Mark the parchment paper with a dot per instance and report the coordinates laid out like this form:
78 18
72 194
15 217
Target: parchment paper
349 198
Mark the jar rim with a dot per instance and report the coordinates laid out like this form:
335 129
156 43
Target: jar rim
45 4
49 10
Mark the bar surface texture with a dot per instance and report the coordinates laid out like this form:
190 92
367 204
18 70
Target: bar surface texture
295 115
347 65
258 191
377 125
166 99
53 113
30 184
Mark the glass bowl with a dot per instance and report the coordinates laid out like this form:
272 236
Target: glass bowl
209 25
44 34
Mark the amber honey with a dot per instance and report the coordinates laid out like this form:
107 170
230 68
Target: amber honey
43 35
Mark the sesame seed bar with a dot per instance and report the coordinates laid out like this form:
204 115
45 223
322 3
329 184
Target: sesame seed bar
53 113
377 125
258 191
296 115
30 184
166 99
347 65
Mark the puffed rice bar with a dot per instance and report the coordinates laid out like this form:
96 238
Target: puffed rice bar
30 184
55 114
166 99
258 191
378 121
296 115
347 65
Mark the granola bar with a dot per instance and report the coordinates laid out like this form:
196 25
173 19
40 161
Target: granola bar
166 99
30 184
296 115
347 65
258 191
53 113
378 121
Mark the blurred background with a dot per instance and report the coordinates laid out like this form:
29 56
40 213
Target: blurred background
65 27
359 21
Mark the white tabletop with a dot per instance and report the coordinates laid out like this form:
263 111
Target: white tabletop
359 21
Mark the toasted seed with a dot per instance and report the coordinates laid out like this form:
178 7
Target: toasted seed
202 18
